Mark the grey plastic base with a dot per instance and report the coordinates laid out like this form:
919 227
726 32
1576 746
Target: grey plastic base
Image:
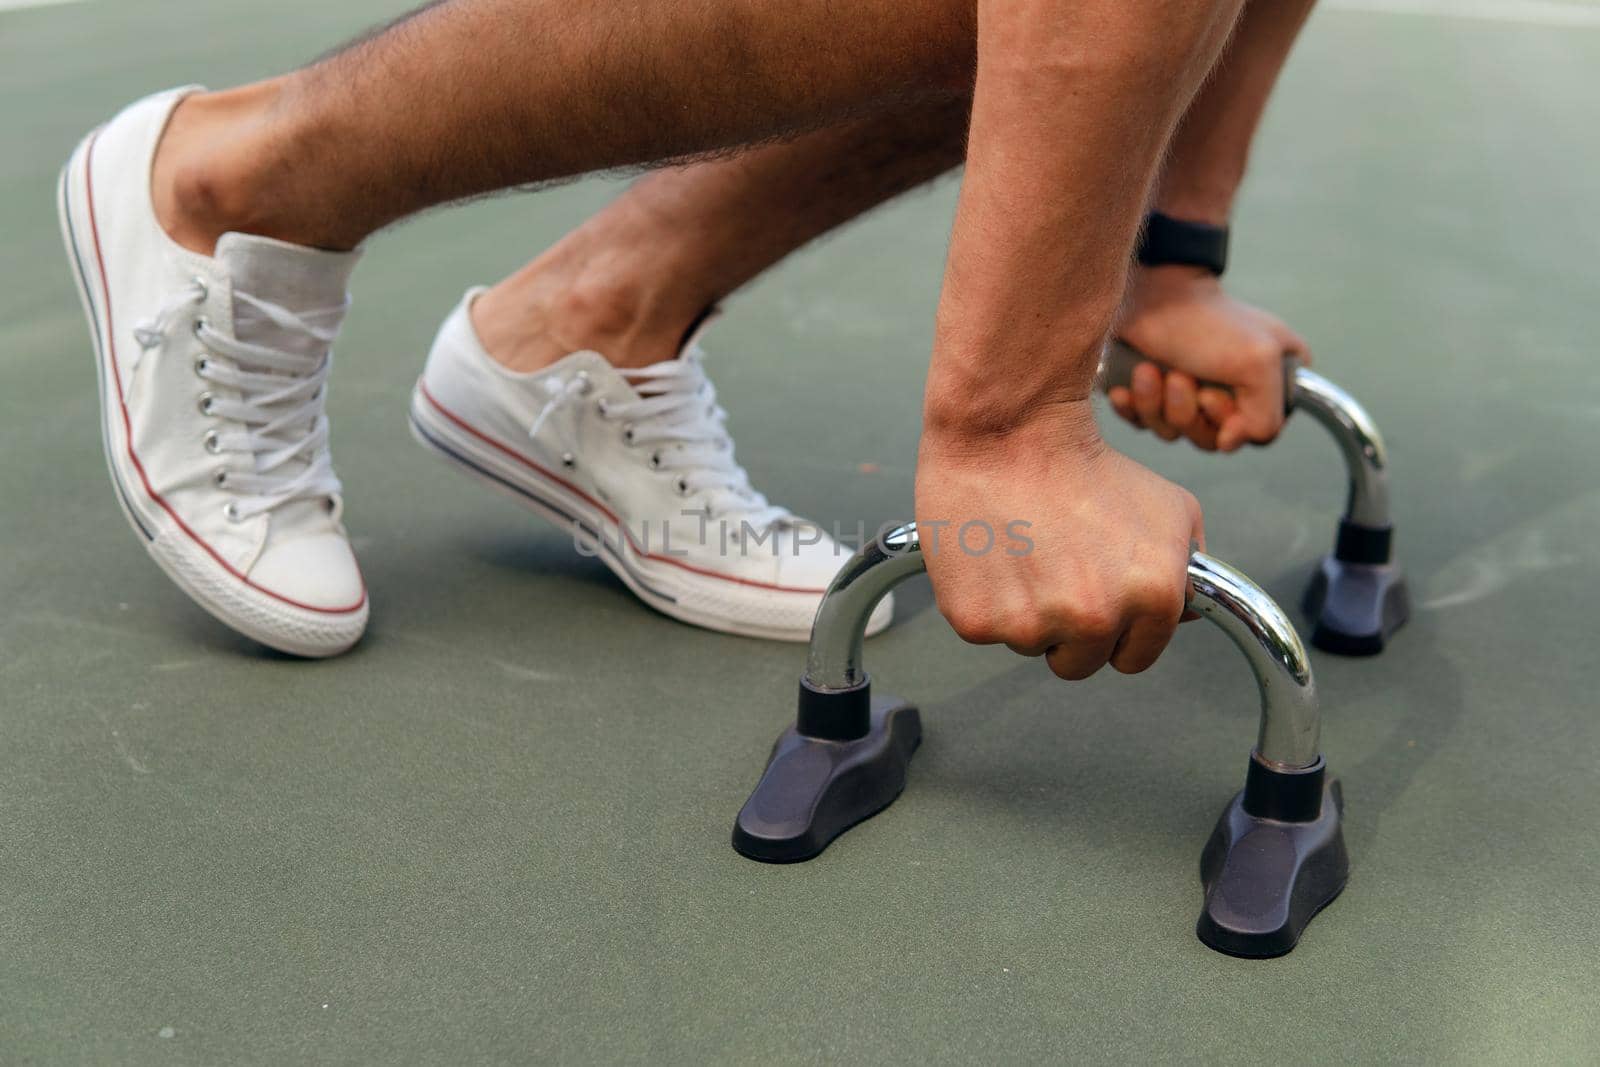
1356 607
813 790
1266 879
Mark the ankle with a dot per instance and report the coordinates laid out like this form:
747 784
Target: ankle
222 166
543 313
197 186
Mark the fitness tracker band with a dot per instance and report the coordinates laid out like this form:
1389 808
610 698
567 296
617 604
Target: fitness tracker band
1177 241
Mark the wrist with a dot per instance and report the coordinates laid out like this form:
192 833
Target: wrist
1160 283
1212 206
1168 240
955 423
1000 363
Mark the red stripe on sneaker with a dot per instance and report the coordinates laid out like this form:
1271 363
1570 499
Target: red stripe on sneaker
548 475
127 425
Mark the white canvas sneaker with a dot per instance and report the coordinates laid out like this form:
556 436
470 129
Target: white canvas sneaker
213 374
637 466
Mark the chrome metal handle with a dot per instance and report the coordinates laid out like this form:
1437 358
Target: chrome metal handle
1290 719
838 632
1366 459
1119 359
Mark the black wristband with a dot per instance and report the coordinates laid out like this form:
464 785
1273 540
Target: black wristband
1176 241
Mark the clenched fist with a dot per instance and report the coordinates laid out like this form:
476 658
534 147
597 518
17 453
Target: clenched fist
1183 319
1099 572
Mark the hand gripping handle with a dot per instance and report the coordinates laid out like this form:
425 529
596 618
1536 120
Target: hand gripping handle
1290 721
1366 459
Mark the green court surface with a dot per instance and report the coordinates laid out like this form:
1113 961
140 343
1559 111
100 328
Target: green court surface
498 830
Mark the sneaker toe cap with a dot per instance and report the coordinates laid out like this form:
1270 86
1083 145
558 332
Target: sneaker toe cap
317 571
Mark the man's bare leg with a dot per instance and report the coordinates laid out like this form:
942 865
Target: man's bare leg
1073 101
467 97
631 281
598 408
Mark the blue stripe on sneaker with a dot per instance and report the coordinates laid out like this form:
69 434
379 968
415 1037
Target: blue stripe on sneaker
604 545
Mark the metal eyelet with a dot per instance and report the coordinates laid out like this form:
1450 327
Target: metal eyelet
585 385
201 323
201 365
213 442
682 486
207 403
655 461
601 406
219 479
568 460
201 291
627 435
231 510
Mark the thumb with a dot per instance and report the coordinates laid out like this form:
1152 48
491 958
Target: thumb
1260 414
1293 344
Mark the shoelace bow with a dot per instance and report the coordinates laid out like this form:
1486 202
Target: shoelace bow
278 417
678 419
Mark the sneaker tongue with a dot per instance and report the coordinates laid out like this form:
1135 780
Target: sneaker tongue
301 280
297 278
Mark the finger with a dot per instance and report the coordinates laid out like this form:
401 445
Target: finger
1182 402
1202 433
1233 433
1077 659
1293 344
1258 422
1217 404
1122 403
1160 607
1147 392
1034 647
1144 642
1258 392
1260 414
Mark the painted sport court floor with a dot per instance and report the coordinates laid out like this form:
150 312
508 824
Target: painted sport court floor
498 831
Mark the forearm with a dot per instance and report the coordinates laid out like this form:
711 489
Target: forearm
1212 146
1074 104
721 222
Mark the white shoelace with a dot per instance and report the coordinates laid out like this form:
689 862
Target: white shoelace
278 418
677 419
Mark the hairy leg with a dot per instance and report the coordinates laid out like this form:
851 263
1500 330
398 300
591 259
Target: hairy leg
631 281
466 97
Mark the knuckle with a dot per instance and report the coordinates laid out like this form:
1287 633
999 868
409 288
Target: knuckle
1029 634
1093 622
1157 579
1161 598
1264 426
1262 353
973 627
